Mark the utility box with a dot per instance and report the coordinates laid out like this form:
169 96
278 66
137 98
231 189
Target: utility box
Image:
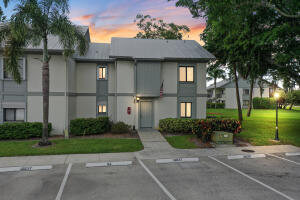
221 137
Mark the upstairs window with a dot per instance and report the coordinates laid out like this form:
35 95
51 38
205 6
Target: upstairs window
101 73
185 110
7 75
186 74
14 114
246 91
102 109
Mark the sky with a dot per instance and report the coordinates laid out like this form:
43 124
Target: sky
115 18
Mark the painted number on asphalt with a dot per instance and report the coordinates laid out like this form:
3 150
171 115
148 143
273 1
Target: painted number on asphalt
26 169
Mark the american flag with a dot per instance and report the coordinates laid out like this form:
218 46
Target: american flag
161 92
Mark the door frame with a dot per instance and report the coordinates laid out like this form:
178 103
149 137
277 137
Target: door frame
152 112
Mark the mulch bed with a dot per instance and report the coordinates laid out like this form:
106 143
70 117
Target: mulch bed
200 144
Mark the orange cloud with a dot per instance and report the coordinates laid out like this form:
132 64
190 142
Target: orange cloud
105 33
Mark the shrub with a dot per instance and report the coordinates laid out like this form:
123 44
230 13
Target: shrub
89 126
22 130
264 103
201 127
212 105
175 125
120 127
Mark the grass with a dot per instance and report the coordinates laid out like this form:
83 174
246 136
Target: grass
181 141
259 129
71 146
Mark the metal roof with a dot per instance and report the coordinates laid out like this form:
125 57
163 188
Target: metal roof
157 49
219 84
54 43
96 52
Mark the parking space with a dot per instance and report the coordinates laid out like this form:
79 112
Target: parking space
207 179
290 156
114 182
281 175
28 185
240 177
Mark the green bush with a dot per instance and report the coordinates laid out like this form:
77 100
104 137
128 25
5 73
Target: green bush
120 127
22 130
175 125
89 126
200 127
264 103
215 105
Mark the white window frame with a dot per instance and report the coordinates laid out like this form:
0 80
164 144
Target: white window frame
98 73
2 69
185 113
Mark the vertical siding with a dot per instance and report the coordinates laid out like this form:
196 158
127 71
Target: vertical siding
148 78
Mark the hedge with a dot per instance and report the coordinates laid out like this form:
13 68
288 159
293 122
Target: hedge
89 126
215 105
264 103
120 127
22 130
200 127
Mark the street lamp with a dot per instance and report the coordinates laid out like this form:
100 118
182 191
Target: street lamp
276 96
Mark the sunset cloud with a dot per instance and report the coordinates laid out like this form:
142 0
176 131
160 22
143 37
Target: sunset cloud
115 18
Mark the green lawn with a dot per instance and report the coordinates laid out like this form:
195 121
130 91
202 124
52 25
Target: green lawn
181 141
71 146
259 129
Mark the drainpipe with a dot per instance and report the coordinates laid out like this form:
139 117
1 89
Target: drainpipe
66 131
135 90
116 88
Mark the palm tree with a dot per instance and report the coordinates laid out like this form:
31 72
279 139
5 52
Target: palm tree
31 23
213 73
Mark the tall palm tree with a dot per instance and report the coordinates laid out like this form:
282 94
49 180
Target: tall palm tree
31 23
213 73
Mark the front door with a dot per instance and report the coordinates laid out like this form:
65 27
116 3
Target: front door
146 114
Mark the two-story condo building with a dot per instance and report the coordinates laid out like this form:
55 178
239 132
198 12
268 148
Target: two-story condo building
226 93
137 81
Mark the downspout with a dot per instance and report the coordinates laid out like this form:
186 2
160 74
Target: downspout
135 90
66 131
116 88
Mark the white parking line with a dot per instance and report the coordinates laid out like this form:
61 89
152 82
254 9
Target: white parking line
177 160
291 161
108 164
157 181
293 154
253 179
25 168
63 183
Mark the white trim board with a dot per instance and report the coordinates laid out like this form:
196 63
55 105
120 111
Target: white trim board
108 164
25 168
177 160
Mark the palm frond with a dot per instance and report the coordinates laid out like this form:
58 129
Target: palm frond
70 35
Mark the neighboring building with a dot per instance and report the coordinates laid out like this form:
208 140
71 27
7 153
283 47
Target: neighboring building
226 93
137 81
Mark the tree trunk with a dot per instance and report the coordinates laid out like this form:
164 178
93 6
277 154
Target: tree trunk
291 107
250 98
45 86
215 84
240 114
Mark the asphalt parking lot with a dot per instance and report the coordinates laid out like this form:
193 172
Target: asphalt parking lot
267 176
